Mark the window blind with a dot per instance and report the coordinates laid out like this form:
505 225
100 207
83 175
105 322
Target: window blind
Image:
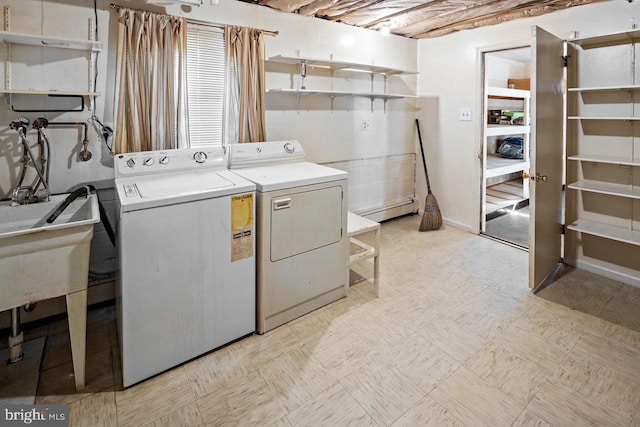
205 84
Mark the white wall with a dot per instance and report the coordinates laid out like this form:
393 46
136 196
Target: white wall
450 79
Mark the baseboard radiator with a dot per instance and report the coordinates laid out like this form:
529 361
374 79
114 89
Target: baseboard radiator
381 188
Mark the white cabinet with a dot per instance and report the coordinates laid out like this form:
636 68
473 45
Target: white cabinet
602 196
305 65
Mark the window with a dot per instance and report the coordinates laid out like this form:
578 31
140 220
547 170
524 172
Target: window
205 84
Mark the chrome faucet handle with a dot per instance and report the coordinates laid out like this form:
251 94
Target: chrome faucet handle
22 194
19 123
40 123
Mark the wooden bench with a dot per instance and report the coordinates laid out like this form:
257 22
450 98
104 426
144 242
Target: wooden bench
357 226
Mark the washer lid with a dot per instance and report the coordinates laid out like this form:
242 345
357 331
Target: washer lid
163 186
289 175
143 192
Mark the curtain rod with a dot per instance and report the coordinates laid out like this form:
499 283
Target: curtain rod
194 21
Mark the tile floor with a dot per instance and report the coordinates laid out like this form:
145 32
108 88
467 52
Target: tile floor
450 336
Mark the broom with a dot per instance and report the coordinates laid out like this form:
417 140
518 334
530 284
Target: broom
431 218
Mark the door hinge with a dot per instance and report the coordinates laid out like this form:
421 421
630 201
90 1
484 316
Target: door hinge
342 194
564 229
565 61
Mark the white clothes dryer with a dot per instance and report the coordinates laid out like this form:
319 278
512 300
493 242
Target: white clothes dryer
302 243
186 242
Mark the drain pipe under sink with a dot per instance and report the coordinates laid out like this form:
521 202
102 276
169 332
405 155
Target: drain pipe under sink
16 338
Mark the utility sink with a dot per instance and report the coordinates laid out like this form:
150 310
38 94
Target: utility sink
39 260
32 218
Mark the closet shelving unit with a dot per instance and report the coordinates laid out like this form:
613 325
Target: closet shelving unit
603 153
9 38
499 172
497 166
305 63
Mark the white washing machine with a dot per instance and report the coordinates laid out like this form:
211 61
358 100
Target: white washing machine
302 229
186 243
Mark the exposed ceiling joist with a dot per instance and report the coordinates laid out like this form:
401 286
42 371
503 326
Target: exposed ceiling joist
421 18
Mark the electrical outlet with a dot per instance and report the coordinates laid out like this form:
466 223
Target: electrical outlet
365 125
465 114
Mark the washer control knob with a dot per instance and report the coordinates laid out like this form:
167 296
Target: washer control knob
199 156
131 162
164 160
148 161
289 148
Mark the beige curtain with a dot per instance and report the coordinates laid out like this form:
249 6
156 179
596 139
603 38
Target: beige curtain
246 108
151 83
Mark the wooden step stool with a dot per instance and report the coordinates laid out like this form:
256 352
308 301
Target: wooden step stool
356 226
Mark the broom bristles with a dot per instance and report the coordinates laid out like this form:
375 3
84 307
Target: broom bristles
431 218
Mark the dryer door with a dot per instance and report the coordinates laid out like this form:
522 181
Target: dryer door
302 222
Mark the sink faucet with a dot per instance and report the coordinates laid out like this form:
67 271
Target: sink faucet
23 194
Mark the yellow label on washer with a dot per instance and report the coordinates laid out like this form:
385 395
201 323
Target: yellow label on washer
241 227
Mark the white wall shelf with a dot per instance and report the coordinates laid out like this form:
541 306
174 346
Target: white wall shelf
613 38
7 37
304 64
506 130
339 65
604 88
607 231
340 93
603 118
497 166
503 92
46 92
611 189
612 160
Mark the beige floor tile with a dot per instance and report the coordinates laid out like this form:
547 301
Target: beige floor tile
475 402
635 421
529 345
579 290
159 396
315 322
212 371
427 412
282 422
529 419
622 359
381 331
384 392
458 341
622 311
421 361
339 353
333 407
258 349
57 385
186 416
564 406
245 401
516 377
597 383
629 293
296 377
96 410
551 323
615 335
